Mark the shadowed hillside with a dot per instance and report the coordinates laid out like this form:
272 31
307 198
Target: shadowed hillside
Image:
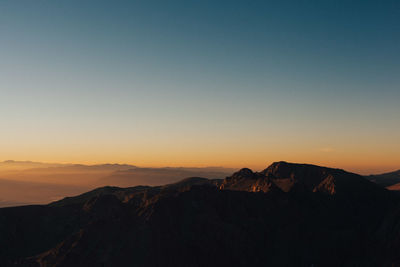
287 215
391 180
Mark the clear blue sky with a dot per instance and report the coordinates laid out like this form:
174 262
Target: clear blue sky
201 82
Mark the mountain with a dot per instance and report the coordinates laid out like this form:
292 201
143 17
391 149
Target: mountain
160 176
386 179
41 183
287 215
23 165
288 177
82 167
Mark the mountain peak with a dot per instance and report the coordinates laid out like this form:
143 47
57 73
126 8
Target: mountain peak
246 180
243 173
291 177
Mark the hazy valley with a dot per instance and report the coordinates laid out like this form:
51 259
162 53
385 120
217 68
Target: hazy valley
25 182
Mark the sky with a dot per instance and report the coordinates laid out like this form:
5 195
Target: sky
201 83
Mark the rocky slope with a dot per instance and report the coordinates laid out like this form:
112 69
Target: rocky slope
287 215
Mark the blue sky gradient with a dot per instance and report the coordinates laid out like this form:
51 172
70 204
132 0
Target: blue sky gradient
201 82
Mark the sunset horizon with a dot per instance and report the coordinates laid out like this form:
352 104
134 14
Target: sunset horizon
199 133
363 168
201 84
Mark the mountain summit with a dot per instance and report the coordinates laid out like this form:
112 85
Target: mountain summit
292 177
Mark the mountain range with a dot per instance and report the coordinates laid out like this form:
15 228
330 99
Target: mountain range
27 182
286 215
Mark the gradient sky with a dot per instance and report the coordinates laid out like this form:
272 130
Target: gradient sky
200 83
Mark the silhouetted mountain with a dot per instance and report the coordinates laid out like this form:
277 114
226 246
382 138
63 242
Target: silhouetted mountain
287 215
289 177
385 179
31 165
23 165
40 183
82 167
160 176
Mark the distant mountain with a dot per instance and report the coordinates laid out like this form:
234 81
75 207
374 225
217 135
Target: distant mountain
24 165
386 179
287 215
82 167
160 176
17 193
40 183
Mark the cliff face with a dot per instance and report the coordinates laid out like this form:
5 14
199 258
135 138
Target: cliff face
287 215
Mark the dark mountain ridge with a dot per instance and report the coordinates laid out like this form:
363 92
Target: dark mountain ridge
287 215
289 177
385 179
41 183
